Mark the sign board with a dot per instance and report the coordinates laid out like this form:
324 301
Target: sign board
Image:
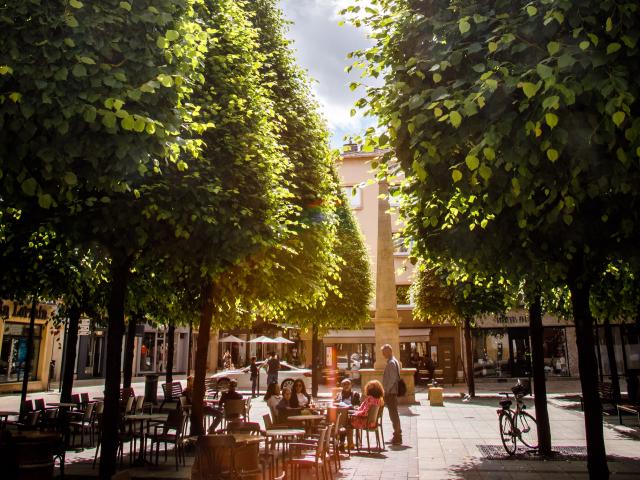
84 328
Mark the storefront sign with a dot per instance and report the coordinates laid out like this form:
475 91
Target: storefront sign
513 320
84 328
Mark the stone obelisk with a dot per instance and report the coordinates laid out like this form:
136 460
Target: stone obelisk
386 320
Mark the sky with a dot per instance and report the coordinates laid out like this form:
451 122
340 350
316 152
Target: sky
321 47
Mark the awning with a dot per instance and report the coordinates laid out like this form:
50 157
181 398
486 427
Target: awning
369 336
230 339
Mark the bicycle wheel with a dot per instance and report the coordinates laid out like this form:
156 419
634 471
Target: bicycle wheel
506 433
528 429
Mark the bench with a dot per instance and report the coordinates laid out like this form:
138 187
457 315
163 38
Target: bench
172 392
605 392
628 408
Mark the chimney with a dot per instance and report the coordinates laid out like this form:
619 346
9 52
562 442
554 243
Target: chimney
350 146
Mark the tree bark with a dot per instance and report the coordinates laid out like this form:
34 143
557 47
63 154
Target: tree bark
70 353
111 414
202 350
597 340
471 382
27 362
129 345
190 348
539 384
613 366
596 453
171 334
314 361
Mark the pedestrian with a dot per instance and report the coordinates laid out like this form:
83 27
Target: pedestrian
253 369
390 380
273 367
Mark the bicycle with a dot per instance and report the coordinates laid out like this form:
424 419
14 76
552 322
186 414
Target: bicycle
517 424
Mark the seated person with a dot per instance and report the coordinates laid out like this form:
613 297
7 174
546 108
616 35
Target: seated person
272 398
374 393
300 397
284 407
217 412
347 397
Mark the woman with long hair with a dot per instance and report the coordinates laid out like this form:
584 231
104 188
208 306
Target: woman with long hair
373 396
300 398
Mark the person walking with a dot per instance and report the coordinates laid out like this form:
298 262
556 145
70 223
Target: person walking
390 380
253 369
273 367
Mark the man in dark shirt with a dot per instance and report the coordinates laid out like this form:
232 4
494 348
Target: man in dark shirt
253 370
273 367
218 412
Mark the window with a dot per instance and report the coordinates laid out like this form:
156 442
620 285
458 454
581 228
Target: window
403 294
400 245
13 352
354 196
394 196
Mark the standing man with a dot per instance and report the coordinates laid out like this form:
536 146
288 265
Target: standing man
273 367
253 369
390 380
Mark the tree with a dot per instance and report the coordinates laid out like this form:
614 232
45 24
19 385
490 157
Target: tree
509 113
447 294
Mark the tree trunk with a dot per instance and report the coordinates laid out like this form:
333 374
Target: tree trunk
129 345
597 340
202 350
70 353
27 362
471 383
539 384
171 335
190 347
613 366
111 414
596 453
314 361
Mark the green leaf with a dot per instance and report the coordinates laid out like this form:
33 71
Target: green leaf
553 48
565 60
87 60
613 48
618 118
79 70
45 200
456 175
530 89
609 24
172 35
584 44
552 102
531 10
5 69
109 120
29 186
551 119
552 154
455 118
126 6
437 78
139 124
89 114
421 173
61 74
76 3
472 162
493 46
489 153
544 71
70 178
464 25
71 21
15 97
127 123
162 43
485 172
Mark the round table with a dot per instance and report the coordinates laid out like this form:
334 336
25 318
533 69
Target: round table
63 404
247 438
307 420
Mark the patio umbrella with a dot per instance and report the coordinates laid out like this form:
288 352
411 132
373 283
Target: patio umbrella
282 340
263 339
231 339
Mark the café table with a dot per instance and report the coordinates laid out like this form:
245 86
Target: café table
308 420
286 434
143 418
63 404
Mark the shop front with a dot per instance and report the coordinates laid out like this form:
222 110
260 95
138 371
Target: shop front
91 357
502 346
152 350
14 334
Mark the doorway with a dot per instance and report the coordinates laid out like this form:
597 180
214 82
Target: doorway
520 353
447 359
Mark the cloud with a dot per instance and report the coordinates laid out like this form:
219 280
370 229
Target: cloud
321 46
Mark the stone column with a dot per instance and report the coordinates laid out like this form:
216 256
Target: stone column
386 320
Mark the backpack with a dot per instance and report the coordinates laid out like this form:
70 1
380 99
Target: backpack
402 386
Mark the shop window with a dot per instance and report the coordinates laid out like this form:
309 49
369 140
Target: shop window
147 351
555 351
13 353
354 196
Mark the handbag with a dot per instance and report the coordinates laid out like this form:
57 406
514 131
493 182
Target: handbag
402 386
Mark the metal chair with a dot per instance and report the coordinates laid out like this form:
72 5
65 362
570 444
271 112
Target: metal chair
85 423
371 426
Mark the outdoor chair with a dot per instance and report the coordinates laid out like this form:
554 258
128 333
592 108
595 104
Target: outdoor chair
84 424
210 389
315 460
235 409
84 398
124 435
75 398
172 392
30 422
172 431
379 425
371 426
139 406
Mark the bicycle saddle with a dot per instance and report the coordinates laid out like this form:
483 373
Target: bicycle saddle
505 403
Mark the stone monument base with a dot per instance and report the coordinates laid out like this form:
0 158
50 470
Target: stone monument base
407 374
